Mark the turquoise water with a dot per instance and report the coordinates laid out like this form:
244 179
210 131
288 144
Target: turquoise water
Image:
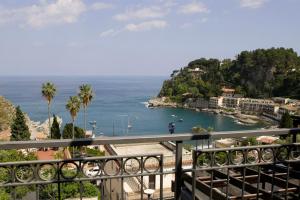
117 101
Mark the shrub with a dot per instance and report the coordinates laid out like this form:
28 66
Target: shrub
67 132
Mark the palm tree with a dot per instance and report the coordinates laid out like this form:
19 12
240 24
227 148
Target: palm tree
86 95
73 106
48 92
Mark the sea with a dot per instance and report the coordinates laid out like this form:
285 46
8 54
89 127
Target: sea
119 107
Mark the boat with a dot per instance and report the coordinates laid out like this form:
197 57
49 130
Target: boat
129 126
180 120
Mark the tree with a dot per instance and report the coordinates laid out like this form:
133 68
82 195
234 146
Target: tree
4 195
286 121
13 156
261 73
70 190
73 106
55 131
198 129
86 95
68 132
48 92
210 129
250 141
19 129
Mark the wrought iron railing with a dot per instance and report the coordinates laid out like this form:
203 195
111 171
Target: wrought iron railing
78 170
248 169
215 173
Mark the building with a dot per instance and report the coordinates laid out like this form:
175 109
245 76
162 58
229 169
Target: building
257 105
231 102
288 109
196 70
199 103
228 92
132 186
215 102
280 100
224 143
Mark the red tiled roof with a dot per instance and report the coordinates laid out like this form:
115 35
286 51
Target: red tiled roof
45 155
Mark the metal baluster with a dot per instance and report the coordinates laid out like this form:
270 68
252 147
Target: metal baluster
161 176
178 170
211 178
80 183
194 174
100 188
104 188
37 187
273 177
58 183
142 177
80 189
14 194
211 184
287 180
122 179
258 182
243 186
227 186
37 194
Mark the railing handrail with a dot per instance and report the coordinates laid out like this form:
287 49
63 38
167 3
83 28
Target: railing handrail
253 133
142 139
85 159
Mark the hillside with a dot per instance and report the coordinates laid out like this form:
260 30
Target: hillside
261 73
7 111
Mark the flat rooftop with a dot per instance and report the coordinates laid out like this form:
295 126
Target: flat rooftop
144 148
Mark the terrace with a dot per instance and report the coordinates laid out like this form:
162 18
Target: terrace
251 172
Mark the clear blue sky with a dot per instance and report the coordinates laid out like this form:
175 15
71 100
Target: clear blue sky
135 37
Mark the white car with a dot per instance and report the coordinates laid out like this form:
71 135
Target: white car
95 171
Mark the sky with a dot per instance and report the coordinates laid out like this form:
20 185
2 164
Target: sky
137 37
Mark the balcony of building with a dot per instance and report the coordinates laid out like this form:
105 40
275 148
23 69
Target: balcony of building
161 167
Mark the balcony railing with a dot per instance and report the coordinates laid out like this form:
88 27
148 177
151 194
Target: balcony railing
252 172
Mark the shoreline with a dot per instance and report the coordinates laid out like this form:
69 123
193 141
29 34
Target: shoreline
243 119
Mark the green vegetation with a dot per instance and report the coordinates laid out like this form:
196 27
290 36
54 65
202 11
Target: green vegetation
13 156
94 152
48 92
55 131
199 129
286 121
86 95
69 190
68 132
4 195
19 129
7 113
221 158
261 73
73 106
250 141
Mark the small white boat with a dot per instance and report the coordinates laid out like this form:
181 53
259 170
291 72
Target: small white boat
129 126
